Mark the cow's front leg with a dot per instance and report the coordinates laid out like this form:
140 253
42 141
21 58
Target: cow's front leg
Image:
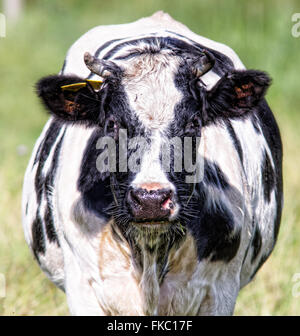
220 299
80 293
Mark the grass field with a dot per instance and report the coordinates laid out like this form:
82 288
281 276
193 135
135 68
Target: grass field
259 31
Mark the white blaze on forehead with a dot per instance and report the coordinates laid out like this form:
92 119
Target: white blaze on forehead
150 87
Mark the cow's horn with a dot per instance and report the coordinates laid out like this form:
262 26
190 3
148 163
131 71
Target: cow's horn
97 66
203 64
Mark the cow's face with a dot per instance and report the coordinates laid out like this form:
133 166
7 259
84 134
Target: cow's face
148 118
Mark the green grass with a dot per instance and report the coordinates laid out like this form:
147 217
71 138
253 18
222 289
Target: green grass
259 31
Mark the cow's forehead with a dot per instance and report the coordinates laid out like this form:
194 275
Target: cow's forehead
149 83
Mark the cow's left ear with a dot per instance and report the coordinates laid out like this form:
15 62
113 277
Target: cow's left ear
70 98
236 93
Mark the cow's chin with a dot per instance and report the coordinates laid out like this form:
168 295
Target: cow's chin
152 225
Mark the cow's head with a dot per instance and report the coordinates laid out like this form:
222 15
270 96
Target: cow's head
150 103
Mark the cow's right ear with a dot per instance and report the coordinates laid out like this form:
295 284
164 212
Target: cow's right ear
70 98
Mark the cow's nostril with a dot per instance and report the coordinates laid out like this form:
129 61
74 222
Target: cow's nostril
150 205
167 203
134 197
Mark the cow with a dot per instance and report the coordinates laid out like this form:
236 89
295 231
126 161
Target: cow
139 236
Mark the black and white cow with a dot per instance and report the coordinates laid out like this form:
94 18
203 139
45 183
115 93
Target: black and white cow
150 241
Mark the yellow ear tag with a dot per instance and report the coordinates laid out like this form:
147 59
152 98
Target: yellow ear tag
96 84
73 87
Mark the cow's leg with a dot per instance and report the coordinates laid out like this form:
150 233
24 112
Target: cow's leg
81 297
218 302
222 286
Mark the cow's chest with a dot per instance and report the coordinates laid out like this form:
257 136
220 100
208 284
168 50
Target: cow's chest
128 289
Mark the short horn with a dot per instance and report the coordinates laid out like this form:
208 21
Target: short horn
97 66
203 64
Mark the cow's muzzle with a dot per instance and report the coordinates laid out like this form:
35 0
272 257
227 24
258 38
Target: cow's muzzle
150 205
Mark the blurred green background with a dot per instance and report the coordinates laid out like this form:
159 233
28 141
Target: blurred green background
35 46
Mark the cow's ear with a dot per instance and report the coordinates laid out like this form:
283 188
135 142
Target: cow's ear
237 93
70 98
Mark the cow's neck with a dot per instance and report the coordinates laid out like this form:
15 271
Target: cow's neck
149 252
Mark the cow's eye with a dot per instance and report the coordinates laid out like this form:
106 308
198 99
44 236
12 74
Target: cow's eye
193 127
111 127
